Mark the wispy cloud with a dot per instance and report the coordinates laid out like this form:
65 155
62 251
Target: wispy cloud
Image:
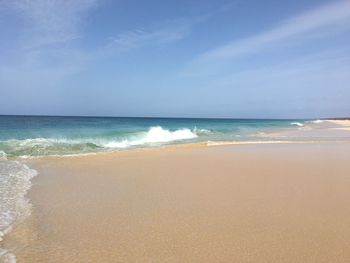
300 66
49 22
43 54
143 38
318 23
314 66
44 49
47 48
168 32
309 86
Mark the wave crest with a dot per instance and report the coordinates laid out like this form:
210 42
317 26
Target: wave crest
155 135
64 146
317 121
297 124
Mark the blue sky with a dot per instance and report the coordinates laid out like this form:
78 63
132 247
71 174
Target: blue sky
238 59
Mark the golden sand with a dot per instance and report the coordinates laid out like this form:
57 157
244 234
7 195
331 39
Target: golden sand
342 124
241 203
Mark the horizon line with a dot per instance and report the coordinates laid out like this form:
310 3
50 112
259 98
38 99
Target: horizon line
160 117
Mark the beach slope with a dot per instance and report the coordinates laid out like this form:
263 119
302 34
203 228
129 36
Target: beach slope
240 203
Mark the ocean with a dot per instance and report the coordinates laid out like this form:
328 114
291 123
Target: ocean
28 136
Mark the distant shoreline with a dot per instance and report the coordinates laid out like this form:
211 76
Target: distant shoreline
175 117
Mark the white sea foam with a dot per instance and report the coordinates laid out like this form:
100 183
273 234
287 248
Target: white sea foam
297 124
201 131
317 121
3 156
14 183
153 136
65 146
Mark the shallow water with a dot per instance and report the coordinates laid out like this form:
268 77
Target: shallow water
43 135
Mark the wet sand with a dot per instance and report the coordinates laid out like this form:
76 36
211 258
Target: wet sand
239 203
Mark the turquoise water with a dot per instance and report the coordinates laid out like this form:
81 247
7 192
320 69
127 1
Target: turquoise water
44 135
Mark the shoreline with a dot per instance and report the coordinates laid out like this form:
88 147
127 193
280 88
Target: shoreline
334 127
343 125
209 144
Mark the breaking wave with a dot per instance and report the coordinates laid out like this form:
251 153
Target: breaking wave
63 146
155 135
317 121
15 181
297 124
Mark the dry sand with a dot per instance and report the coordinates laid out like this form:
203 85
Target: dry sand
242 203
342 124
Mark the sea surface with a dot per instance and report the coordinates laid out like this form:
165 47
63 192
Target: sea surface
28 136
23 137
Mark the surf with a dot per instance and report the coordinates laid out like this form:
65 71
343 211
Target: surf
155 135
297 124
15 182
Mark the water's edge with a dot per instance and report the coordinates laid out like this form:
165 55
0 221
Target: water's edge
15 182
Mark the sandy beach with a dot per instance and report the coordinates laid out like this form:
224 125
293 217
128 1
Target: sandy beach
240 203
174 131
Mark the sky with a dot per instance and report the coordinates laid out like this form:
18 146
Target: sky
159 58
